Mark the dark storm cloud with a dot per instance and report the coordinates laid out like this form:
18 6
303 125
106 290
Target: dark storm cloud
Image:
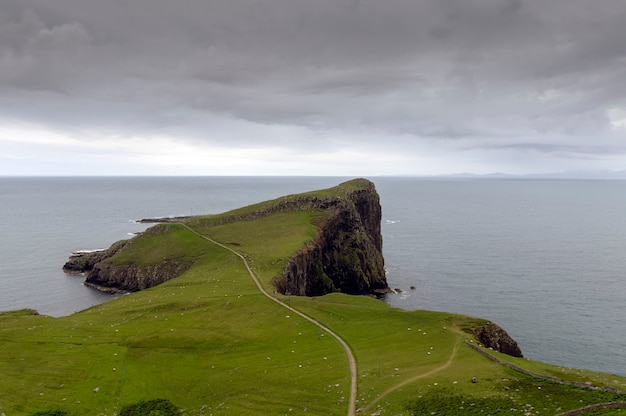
428 70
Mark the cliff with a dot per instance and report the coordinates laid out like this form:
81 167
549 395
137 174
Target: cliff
346 255
496 338
112 278
82 262
155 256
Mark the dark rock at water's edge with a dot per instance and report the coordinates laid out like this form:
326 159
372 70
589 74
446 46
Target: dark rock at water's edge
496 338
162 220
92 263
122 278
345 256
19 312
112 277
83 262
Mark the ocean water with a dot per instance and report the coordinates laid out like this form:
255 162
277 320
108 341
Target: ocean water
43 220
544 259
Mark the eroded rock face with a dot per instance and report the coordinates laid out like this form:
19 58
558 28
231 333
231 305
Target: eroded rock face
108 277
85 262
115 278
496 338
346 256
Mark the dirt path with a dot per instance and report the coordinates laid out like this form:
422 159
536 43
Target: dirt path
349 355
412 379
593 408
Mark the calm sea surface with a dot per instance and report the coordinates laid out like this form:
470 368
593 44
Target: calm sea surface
544 259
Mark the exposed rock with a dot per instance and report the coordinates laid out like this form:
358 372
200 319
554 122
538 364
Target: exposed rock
345 256
113 278
111 275
496 338
84 262
20 312
162 220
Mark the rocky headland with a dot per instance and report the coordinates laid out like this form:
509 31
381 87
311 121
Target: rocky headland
345 256
83 262
494 337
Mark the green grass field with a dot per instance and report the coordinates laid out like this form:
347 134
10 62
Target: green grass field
211 343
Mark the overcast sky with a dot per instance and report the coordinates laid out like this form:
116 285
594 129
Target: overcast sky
311 87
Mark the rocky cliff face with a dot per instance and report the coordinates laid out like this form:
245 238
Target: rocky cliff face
85 262
345 256
496 338
108 276
112 278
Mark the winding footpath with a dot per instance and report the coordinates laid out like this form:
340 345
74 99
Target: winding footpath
412 379
574 412
344 344
352 411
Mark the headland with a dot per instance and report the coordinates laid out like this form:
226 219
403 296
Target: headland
198 332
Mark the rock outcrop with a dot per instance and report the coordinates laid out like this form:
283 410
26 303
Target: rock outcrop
121 277
112 278
496 338
84 262
345 256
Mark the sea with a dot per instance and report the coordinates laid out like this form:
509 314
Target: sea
544 259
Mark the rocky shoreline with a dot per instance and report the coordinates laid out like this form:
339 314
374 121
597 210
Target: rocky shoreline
346 256
162 220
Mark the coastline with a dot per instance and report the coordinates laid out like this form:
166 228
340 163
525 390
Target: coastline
94 213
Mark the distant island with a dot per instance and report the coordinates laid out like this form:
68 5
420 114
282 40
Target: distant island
272 309
569 174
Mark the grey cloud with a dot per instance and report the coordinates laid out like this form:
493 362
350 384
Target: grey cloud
588 151
433 70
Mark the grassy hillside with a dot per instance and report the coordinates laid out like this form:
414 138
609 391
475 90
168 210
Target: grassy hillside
211 343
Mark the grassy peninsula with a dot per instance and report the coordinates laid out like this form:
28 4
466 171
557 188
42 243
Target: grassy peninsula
212 343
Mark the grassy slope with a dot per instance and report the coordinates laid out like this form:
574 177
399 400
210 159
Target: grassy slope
208 340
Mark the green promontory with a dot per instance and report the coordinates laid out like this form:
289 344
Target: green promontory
210 342
345 255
